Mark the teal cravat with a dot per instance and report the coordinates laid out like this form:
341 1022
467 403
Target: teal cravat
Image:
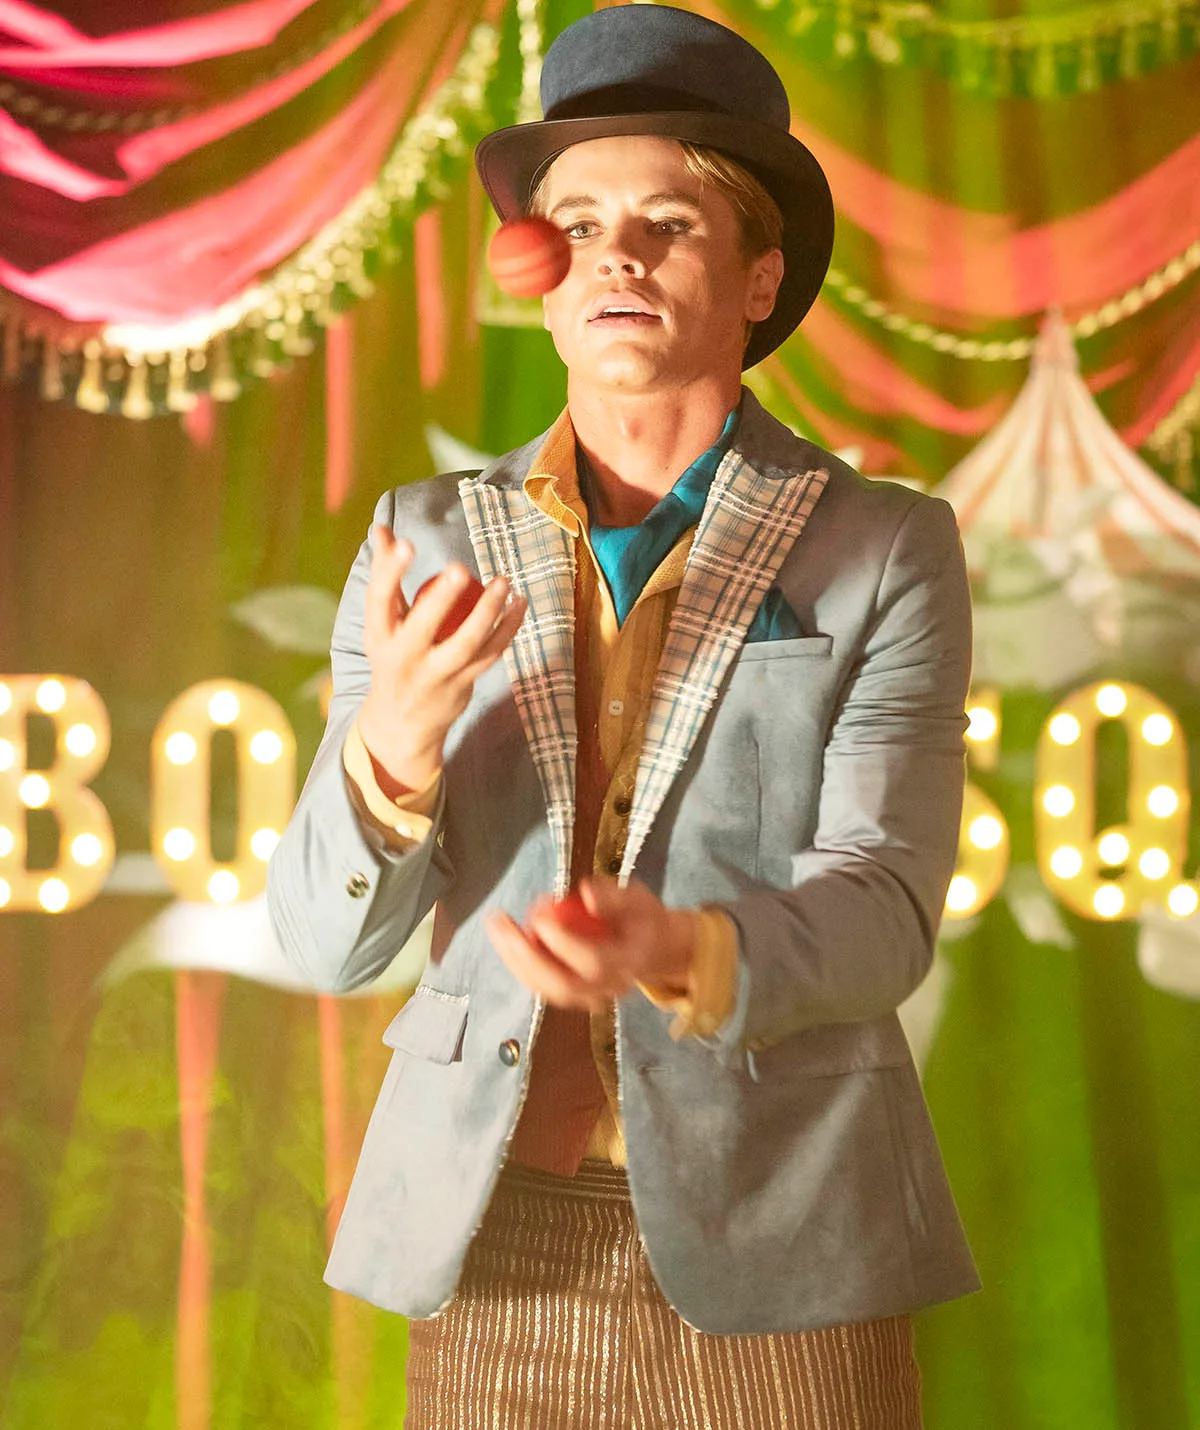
629 555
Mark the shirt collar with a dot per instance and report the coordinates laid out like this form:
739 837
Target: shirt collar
553 484
553 481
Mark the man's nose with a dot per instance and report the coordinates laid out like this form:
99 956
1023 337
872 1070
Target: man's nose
620 256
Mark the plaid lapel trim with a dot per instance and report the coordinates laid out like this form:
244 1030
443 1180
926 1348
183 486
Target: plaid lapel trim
749 525
511 537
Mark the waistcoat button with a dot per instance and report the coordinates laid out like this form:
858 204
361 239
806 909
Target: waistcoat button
510 1052
622 806
614 864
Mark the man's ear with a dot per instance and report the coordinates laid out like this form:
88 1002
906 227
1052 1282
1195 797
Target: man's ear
766 274
545 315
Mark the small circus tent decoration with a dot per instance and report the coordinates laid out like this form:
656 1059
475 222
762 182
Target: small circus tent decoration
1080 555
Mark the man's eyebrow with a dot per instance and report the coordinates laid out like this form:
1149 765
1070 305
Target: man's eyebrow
671 196
574 201
587 201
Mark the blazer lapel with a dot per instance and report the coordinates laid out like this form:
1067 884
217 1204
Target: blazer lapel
749 525
511 537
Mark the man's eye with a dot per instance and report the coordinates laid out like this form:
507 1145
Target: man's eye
670 225
583 228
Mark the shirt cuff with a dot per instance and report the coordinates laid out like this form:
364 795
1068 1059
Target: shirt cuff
405 821
712 978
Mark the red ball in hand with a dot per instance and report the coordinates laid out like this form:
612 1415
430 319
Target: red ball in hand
574 917
463 605
529 257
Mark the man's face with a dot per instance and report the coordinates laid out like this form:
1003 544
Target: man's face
659 290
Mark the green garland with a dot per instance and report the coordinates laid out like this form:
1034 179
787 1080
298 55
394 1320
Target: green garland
1108 315
1027 55
1175 441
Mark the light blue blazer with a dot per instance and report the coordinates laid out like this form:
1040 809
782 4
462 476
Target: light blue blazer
784 1173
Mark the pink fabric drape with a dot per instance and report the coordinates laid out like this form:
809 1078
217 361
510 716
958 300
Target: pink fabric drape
1176 373
146 154
53 44
870 379
24 155
431 297
191 260
339 412
115 249
878 455
32 25
962 261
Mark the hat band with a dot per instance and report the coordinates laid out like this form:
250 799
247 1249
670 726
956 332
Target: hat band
628 99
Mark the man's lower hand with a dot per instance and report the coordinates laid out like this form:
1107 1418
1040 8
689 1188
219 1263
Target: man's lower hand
643 942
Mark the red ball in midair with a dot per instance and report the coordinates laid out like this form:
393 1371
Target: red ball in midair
529 257
463 606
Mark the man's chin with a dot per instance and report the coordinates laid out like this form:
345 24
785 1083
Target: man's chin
635 370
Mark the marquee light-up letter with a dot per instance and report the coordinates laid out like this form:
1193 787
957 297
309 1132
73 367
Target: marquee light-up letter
983 727
181 762
983 833
1110 873
85 843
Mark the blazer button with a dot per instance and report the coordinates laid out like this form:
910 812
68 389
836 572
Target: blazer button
357 885
510 1052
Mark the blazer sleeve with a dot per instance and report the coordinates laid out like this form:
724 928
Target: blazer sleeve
854 934
343 898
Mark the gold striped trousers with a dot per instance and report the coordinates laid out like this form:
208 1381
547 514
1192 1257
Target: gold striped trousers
558 1324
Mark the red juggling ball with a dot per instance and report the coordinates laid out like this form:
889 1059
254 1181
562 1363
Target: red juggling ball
573 915
459 611
529 257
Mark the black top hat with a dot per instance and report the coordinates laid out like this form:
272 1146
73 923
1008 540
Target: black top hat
656 70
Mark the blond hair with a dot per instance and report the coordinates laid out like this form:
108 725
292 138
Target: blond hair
759 218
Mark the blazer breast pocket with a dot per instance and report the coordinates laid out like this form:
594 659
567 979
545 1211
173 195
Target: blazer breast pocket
430 1026
817 647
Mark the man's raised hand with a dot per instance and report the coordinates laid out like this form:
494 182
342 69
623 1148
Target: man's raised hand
420 685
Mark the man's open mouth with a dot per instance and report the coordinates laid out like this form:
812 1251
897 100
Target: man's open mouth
617 314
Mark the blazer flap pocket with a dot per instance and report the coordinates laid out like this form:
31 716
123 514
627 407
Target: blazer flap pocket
795 645
430 1025
830 1050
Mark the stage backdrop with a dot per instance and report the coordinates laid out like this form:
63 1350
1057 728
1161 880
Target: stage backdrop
240 295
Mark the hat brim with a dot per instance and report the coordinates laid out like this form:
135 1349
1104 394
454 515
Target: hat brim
510 161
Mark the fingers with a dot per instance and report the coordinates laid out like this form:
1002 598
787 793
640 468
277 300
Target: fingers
480 638
435 603
649 941
581 956
600 960
496 644
466 642
384 606
605 897
540 970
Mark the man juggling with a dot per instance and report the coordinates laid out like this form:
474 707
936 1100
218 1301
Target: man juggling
682 774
